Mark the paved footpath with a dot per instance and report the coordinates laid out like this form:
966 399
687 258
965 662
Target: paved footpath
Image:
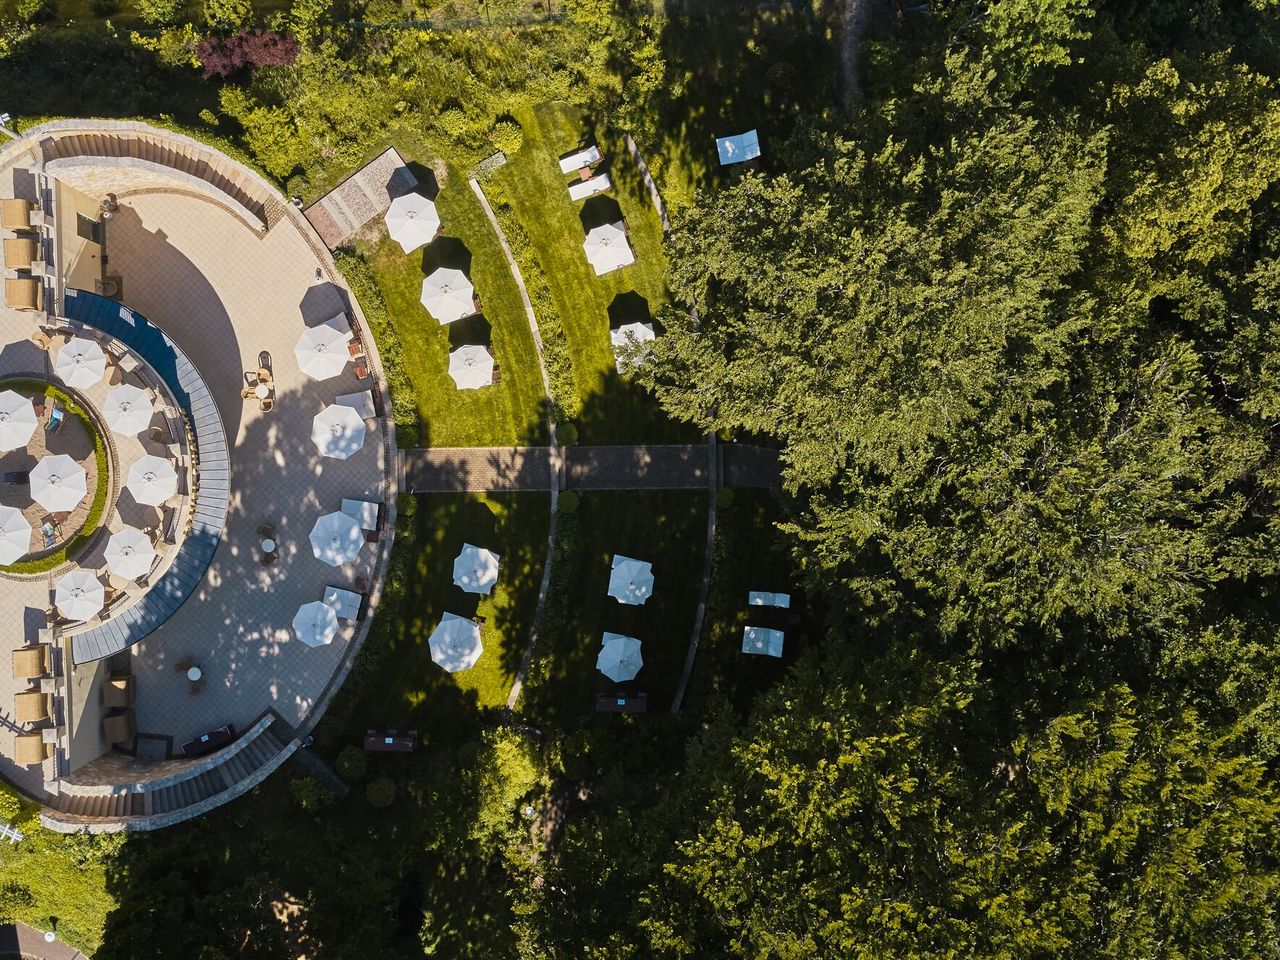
19 940
643 467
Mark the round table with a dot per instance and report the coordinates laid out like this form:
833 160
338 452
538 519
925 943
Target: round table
194 674
268 545
262 391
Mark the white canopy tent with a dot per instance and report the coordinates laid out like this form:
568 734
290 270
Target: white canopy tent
619 658
455 643
630 581
412 221
448 295
152 480
15 534
315 623
607 248
471 367
337 538
762 640
81 363
17 420
322 350
128 410
130 553
58 483
79 595
338 431
476 569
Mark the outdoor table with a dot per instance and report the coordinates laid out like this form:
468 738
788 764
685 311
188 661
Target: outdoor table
208 742
637 704
262 391
398 743
268 545
194 674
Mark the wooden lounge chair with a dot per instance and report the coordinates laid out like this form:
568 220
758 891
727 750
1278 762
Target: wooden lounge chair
19 253
16 214
30 749
23 293
30 662
31 706
118 728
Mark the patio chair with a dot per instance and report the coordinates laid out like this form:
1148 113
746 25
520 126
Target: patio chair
267 405
56 417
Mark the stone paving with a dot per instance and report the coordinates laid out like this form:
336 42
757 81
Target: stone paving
365 194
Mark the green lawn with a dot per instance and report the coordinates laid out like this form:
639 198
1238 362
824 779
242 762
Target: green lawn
666 528
608 408
510 411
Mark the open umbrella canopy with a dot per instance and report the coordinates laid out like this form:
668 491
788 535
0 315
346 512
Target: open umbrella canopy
763 641
619 658
337 538
607 248
315 623
471 367
152 480
15 534
58 483
322 351
128 410
455 643
448 295
476 569
17 420
412 221
130 553
79 595
81 363
630 581
629 335
338 431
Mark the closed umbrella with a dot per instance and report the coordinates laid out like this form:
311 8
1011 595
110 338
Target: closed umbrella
448 295
619 659
130 553
322 351
476 569
81 363
338 431
79 595
471 367
455 643
607 248
152 480
630 581
128 410
337 538
58 483
315 623
15 534
412 221
17 420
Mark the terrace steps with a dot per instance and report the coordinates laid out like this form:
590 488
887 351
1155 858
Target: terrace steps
165 800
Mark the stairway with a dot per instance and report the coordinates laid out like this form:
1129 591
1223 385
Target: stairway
170 799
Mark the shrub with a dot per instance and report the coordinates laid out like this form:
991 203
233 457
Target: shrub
224 56
174 47
567 502
209 117
507 136
159 13
505 772
228 14
351 763
381 792
34 10
310 795
724 498
567 433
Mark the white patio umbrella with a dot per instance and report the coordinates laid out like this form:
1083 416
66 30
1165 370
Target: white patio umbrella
58 483
471 367
79 595
476 569
315 623
128 410
130 553
17 420
448 295
15 534
455 643
607 248
412 221
338 431
630 581
337 538
619 659
322 352
628 335
152 480
763 641
81 363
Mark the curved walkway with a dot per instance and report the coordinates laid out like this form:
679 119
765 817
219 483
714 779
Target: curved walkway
19 940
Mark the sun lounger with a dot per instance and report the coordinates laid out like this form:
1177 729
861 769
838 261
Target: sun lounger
30 662
19 253
589 188
15 214
31 706
30 749
585 157
24 293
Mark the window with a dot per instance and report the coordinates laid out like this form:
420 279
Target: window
89 229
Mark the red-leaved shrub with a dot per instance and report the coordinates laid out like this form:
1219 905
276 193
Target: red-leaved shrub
225 56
